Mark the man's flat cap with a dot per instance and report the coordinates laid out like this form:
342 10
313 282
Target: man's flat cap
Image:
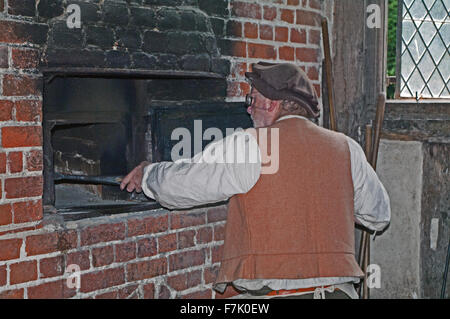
285 81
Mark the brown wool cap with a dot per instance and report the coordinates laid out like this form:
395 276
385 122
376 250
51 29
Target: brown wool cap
285 81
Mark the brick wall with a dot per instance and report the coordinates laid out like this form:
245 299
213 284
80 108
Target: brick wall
272 31
144 254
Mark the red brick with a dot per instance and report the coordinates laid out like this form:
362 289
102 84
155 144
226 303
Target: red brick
125 251
313 73
298 36
27 211
102 279
50 242
318 89
21 136
148 225
239 49
28 111
233 89
149 291
251 30
216 254
186 259
2 163
281 34
20 85
51 267
128 292
308 18
80 258
210 274
219 232
204 294
287 15
21 32
261 51
217 214
292 2
167 243
186 239
21 187
15 162
146 269
234 28
102 256
4 56
238 69
10 249
146 247
270 13
266 32
306 54
164 292
184 281
315 4
182 220
34 160
25 58
23 272
102 233
204 235
5 214
51 290
12 294
286 53
244 87
108 295
314 37
2 275
6 110
246 10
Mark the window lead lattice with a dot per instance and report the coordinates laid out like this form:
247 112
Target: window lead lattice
425 57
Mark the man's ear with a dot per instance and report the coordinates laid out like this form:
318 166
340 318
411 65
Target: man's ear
274 106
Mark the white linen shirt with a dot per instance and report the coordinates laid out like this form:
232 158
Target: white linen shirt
207 178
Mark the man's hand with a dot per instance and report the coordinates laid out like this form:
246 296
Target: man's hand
133 180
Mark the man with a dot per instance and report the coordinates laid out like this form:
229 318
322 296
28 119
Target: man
290 230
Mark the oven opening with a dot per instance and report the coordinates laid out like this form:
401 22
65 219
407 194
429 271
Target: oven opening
92 132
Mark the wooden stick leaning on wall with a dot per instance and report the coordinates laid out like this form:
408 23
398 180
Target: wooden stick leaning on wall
329 74
372 145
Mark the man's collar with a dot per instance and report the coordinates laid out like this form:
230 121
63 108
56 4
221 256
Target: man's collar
287 117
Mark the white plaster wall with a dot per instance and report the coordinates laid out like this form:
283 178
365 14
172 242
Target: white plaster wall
397 250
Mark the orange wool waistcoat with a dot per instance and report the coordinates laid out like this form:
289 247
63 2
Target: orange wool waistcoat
299 222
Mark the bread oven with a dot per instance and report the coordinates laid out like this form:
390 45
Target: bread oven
99 124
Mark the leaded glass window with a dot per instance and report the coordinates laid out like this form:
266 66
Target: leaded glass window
425 42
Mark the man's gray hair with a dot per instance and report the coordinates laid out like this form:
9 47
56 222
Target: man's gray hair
294 108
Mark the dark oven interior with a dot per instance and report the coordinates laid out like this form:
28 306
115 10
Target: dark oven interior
96 129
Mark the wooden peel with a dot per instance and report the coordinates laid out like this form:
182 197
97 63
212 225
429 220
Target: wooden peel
372 146
329 74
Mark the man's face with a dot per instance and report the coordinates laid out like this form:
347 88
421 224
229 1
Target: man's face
259 109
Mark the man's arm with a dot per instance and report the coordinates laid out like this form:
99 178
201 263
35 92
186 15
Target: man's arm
212 176
372 206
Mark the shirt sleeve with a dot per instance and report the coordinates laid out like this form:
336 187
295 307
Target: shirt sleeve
225 168
372 205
